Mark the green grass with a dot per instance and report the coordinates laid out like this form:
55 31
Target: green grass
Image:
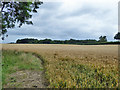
13 61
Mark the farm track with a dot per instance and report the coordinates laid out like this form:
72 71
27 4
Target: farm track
28 78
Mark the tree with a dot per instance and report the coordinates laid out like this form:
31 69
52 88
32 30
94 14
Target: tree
102 39
117 36
16 12
27 40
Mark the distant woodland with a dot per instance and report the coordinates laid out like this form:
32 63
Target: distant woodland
102 40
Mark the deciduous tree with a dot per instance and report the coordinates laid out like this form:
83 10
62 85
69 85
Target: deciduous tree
102 39
117 36
17 12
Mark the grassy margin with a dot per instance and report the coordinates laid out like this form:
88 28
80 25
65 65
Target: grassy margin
18 60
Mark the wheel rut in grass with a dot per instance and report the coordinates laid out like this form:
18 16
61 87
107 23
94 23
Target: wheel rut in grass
28 78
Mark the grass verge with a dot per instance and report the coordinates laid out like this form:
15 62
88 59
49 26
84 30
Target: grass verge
13 61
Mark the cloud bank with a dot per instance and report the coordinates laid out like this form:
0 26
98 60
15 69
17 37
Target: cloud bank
83 19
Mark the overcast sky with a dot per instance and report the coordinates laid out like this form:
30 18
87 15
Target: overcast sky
76 19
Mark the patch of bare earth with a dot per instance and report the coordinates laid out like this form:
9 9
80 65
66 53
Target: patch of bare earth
26 79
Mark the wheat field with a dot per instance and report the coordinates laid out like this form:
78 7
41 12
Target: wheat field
76 65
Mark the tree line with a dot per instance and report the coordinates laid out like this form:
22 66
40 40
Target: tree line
102 40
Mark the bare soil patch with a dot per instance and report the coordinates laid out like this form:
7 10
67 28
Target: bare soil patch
26 79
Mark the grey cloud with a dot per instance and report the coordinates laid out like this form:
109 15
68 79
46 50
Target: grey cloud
49 22
84 10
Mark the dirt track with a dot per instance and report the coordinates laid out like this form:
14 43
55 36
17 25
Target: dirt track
26 79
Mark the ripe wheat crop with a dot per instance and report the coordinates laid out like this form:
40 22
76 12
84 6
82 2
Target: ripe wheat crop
76 66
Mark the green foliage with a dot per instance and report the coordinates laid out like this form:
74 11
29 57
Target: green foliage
71 41
30 41
102 39
17 12
49 41
117 36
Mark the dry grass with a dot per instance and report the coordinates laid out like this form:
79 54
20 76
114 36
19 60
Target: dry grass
65 64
